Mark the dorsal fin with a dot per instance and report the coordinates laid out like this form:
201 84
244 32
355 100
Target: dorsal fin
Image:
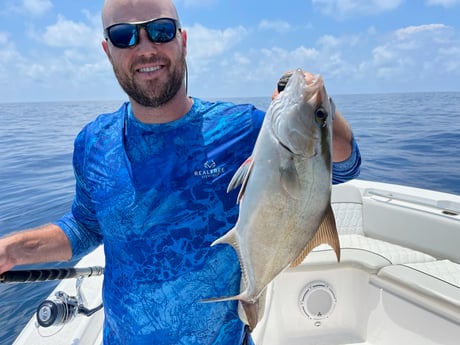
327 233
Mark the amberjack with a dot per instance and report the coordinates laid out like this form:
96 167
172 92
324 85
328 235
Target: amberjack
285 196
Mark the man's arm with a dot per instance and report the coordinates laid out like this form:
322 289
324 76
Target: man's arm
342 136
43 244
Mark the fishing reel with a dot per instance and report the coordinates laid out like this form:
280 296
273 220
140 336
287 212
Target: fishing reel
64 308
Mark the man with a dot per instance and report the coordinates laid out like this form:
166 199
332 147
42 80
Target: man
151 184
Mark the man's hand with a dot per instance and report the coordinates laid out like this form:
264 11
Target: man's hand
342 133
44 244
309 77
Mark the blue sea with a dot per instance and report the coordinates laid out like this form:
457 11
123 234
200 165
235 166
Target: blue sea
411 139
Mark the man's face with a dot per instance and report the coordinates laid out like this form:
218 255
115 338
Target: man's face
150 73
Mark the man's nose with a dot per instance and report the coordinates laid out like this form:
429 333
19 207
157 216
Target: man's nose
144 40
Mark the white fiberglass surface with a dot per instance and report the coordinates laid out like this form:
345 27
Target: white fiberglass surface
363 313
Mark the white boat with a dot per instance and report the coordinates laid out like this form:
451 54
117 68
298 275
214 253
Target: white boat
398 281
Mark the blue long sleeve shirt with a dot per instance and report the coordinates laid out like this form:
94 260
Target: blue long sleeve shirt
155 196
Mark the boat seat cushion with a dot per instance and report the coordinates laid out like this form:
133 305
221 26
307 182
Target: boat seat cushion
437 279
365 252
349 218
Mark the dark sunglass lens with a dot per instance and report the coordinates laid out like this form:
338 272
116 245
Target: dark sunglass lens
162 30
123 35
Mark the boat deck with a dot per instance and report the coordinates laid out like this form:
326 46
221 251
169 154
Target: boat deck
398 281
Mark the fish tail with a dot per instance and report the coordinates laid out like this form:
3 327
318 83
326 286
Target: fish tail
251 311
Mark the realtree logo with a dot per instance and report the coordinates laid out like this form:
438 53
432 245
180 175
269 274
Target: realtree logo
210 170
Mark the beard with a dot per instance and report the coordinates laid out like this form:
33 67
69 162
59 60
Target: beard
155 93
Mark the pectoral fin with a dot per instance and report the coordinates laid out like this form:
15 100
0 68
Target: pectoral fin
289 178
241 178
327 233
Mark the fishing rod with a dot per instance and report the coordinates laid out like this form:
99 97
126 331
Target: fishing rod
48 274
62 308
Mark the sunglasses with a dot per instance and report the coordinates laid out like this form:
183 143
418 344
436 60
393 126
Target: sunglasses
126 35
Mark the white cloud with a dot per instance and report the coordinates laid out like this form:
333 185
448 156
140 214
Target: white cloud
443 3
329 42
8 51
347 8
207 43
67 33
253 71
383 55
416 55
410 58
276 25
34 8
9 58
37 7
449 59
207 48
64 61
410 31
3 38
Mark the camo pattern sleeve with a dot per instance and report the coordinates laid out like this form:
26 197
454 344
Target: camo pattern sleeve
349 168
81 224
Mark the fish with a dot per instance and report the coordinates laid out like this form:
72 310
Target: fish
285 192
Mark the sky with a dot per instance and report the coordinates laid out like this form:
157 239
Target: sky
50 50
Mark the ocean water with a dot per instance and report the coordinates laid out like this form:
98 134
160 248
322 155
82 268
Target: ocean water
411 139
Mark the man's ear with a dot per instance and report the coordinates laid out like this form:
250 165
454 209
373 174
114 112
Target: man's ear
105 46
184 38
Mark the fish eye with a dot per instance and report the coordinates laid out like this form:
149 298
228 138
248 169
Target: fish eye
321 116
